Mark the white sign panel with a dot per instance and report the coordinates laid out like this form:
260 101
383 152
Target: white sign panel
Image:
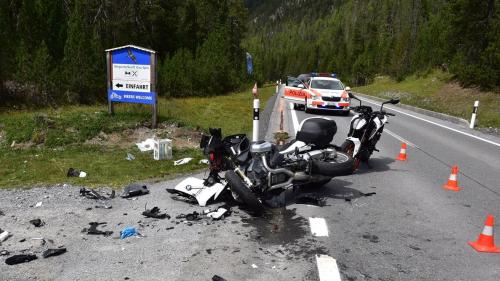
131 86
132 72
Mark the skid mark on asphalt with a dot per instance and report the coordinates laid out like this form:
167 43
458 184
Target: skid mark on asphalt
327 268
437 124
318 227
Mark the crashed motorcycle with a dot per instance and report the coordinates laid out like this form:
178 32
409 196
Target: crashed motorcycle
256 172
365 130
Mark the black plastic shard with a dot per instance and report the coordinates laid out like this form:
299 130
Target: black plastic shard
16 259
53 252
310 199
37 222
94 231
218 278
134 190
155 213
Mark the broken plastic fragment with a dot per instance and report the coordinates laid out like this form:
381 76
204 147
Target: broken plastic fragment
94 231
128 232
155 213
217 214
53 252
146 145
130 157
134 190
37 222
39 204
254 265
218 278
16 259
182 161
4 235
204 161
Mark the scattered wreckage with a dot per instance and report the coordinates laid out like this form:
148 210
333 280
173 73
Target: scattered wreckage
257 172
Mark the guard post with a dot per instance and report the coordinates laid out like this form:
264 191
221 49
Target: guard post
132 76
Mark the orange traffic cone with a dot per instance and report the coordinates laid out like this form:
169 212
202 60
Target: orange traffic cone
486 240
402 153
452 183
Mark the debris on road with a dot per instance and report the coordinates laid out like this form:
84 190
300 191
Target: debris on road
220 213
189 217
2 213
204 161
76 173
134 190
53 252
37 222
16 259
4 253
218 278
146 145
310 199
254 265
155 213
104 207
4 235
182 161
130 157
94 231
128 232
39 204
92 194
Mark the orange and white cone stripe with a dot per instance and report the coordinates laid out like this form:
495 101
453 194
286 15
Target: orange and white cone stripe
452 183
486 240
402 152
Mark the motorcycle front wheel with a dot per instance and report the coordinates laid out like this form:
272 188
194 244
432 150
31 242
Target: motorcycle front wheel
244 193
340 165
348 147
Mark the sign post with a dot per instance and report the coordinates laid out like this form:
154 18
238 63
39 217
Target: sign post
132 77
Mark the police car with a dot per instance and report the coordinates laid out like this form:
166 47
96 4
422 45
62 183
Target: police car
318 91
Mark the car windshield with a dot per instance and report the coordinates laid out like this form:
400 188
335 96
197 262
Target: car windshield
326 84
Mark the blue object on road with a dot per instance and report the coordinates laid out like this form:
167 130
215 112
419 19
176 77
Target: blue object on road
127 232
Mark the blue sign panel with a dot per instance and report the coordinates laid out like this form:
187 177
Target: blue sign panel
131 74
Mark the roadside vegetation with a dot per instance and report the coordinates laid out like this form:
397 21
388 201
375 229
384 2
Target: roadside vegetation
435 91
38 147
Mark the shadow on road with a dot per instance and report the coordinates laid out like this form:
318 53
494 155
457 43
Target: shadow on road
375 165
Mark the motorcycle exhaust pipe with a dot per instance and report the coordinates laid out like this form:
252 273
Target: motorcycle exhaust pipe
301 176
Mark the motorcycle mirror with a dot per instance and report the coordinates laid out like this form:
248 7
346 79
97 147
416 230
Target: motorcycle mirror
394 101
351 95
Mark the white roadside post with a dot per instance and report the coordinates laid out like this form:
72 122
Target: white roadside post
474 113
256 103
277 86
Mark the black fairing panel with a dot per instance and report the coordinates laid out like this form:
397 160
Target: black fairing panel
317 131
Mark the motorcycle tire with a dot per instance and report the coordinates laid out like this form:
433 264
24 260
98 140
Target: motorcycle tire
342 165
348 147
244 193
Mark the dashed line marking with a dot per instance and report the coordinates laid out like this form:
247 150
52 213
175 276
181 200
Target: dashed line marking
400 138
327 268
318 227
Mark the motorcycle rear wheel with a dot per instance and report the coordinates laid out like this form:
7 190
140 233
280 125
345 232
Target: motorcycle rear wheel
244 193
348 147
341 165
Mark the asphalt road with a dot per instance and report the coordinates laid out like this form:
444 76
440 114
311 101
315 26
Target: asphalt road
411 229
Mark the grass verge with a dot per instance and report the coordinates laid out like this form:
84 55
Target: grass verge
435 92
50 141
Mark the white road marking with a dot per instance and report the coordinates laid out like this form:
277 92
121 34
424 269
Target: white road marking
295 120
318 227
400 138
437 124
327 268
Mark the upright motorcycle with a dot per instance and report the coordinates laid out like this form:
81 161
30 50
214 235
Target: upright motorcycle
365 130
258 171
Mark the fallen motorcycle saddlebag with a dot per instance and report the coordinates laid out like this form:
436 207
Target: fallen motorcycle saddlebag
318 131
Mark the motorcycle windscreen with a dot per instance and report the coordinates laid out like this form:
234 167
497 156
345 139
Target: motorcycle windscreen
293 92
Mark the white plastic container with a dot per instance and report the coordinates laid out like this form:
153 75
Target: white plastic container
162 149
